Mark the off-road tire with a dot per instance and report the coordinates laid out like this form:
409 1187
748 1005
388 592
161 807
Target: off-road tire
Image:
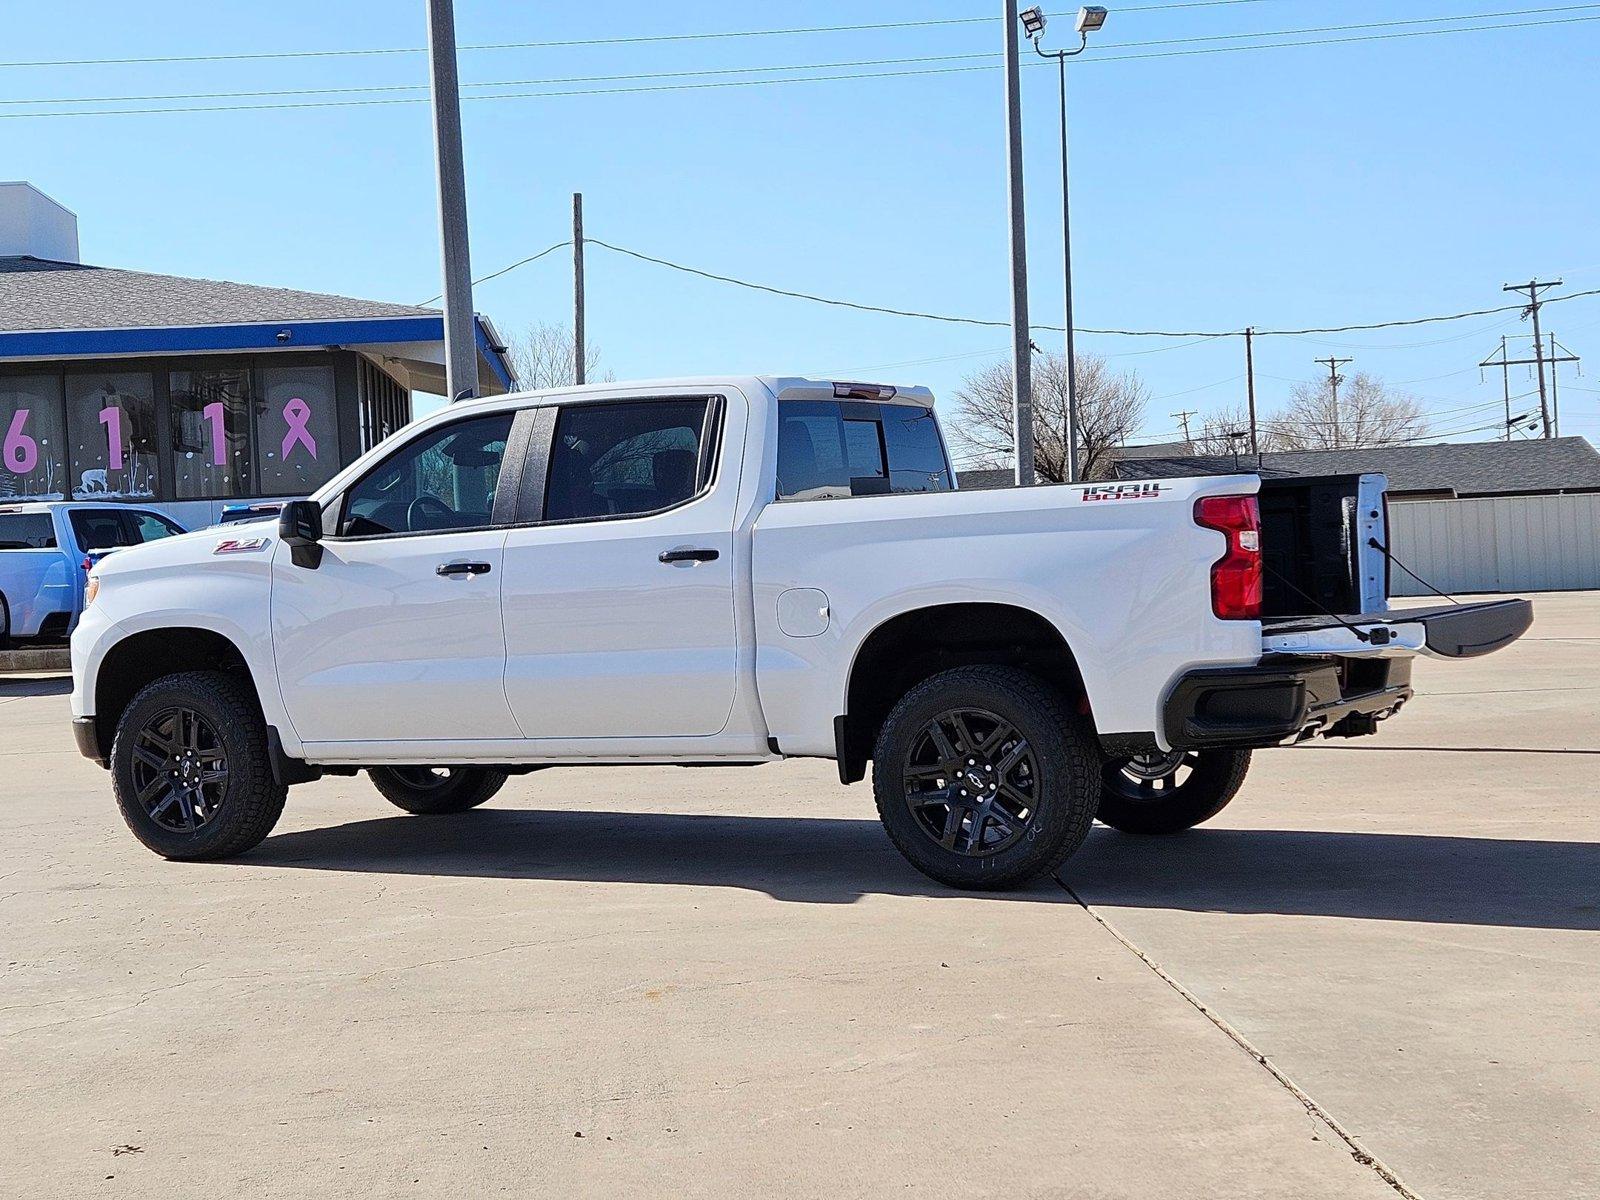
459 789
1064 790
1214 778
251 800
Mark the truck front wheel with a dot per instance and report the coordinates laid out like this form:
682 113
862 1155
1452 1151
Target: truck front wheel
985 777
430 791
1168 793
190 770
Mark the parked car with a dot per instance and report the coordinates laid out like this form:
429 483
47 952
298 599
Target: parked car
730 571
47 549
250 510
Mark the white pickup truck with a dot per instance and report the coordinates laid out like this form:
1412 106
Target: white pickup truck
737 570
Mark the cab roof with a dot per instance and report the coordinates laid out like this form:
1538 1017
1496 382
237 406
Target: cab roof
791 387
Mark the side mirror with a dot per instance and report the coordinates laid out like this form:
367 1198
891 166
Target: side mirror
300 528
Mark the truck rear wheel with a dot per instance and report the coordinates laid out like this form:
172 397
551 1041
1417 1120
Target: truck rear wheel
985 778
190 770
431 791
1168 793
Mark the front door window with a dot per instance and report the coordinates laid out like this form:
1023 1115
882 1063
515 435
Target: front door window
443 480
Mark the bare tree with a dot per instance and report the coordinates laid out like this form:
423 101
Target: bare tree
1227 431
1110 408
543 357
1366 414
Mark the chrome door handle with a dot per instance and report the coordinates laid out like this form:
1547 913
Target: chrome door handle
689 554
462 568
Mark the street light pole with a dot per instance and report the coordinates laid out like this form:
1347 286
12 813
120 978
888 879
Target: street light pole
460 347
1089 19
1021 341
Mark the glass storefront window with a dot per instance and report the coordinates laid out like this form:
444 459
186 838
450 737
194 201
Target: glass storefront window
297 430
113 422
32 438
210 413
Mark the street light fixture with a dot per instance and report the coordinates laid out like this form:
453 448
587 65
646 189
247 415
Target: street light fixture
1090 19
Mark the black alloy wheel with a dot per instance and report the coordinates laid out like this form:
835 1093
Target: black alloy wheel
971 782
191 767
1171 791
424 779
1147 778
435 791
180 769
985 777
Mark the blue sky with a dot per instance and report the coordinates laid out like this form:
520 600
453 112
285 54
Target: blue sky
1313 185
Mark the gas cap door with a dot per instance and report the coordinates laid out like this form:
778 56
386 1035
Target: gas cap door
803 612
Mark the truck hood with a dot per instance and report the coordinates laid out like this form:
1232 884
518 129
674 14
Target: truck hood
254 539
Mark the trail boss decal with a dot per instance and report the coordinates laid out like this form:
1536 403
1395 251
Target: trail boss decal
241 545
1123 491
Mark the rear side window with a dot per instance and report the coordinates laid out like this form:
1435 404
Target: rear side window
831 448
98 528
27 531
917 461
622 460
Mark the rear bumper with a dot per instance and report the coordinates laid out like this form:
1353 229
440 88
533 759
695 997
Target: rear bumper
1284 697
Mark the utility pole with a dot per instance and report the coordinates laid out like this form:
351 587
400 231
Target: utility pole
1555 405
1558 354
1184 417
1505 383
1533 287
1335 379
1250 386
460 347
578 351
1021 342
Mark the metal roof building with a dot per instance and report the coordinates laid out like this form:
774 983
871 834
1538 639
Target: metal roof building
1436 472
193 392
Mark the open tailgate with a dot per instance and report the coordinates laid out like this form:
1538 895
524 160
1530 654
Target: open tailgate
1441 631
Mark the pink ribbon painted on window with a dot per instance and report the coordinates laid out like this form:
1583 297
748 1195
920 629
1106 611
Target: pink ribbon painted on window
297 412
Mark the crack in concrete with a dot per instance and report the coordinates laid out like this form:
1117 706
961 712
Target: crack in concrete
1360 1153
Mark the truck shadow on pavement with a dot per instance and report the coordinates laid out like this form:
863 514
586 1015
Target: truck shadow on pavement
1377 876
808 860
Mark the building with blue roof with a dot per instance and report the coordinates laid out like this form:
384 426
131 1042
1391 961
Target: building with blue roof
193 393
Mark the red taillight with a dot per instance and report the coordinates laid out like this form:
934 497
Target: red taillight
1236 576
88 564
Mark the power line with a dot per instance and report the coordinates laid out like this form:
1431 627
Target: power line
745 83
991 324
521 262
551 82
643 39
977 321
1482 312
559 80
874 308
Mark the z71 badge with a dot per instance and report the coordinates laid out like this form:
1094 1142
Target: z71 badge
1123 491
241 545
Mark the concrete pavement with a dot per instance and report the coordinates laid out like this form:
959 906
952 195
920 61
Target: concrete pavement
728 983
